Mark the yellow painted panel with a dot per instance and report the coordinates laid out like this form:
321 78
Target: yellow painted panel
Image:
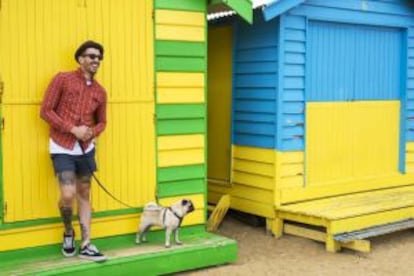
20 238
197 199
180 33
409 168
409 147
356 223
243 191
29 187
180 142
409 157
126 154
180 157
180 95
254 154
126 71
291 169
180 150
180 80
170 17
328 147
299 194
254 180
334 208
375 138
253 207
32 53
219 102
291 181
180 25
291 157
196 217
254 167
347 141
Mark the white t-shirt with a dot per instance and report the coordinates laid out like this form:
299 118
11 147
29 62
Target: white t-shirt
77 150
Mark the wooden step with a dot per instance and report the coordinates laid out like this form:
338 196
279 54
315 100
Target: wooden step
200 249
345 206
375 231
348 220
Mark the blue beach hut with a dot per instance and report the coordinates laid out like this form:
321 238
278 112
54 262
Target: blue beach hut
314 108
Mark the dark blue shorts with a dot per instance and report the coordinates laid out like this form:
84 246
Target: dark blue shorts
80 164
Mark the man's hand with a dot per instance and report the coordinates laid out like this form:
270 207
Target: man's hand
83 133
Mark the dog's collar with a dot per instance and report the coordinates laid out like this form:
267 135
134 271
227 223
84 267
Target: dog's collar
176 215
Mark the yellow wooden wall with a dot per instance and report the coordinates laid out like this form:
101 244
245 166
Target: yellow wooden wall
263 179
38 40
348 141
220 51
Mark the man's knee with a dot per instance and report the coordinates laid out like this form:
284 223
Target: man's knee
84 186
67 182
84 179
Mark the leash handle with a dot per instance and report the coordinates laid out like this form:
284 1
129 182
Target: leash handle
97 180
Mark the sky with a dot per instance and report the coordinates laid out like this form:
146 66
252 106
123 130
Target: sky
261 2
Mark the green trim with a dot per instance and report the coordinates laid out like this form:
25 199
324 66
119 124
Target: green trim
181 111
181 119
37 222
185 187
181 173
180 64
205 191
182 49
176 127
180 56
155 49
31 254
243 8
188 5
201 249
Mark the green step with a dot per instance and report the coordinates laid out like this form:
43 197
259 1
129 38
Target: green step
200 249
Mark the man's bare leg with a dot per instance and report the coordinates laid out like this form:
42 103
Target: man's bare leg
67 184
84 207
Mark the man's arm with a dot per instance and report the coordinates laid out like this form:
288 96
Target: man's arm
50 101
100 117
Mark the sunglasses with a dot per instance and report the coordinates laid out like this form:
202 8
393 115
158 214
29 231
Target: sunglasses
93 56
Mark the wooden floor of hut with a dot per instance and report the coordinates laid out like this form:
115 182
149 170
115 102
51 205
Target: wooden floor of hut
347 221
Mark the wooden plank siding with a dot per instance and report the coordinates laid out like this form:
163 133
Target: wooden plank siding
181 65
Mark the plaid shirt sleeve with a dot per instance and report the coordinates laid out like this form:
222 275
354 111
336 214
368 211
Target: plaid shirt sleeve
50 101
100 117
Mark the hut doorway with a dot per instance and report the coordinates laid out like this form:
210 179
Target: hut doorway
353 103
219 103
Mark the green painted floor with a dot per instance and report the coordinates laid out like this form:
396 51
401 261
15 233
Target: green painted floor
200 249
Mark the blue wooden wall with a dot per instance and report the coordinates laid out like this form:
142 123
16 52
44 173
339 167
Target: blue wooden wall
275 72
255 63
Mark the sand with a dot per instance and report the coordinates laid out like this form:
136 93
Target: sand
261 254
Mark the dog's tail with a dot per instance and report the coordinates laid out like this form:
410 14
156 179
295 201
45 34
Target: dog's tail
152 206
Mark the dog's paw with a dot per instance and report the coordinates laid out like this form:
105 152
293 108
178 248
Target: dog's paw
178 242
167 245
137 241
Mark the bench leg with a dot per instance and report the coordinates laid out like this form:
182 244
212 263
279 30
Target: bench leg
332 245
275 226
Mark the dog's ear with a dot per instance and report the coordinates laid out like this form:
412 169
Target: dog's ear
184 202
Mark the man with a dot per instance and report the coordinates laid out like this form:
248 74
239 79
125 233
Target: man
74 106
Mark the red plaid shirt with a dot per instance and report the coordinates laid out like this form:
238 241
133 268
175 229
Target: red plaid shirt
70 102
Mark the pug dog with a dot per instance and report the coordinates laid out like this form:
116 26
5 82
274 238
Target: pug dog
169 218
